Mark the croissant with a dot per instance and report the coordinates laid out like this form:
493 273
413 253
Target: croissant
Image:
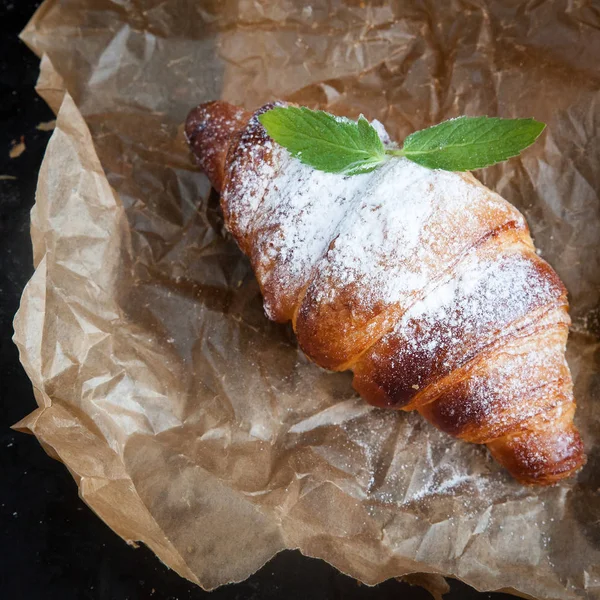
424 283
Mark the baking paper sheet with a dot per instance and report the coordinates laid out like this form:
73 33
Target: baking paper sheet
193 424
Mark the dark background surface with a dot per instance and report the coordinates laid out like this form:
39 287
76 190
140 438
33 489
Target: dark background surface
52 546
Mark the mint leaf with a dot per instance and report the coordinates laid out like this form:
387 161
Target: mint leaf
468 143
324 141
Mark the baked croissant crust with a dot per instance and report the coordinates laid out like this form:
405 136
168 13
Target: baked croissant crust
424 283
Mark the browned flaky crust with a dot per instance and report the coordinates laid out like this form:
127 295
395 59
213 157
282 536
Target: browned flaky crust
530 429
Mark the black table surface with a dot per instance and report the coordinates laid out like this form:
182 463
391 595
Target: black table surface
52 546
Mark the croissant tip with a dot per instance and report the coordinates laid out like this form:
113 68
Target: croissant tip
547 479
539 458
209 128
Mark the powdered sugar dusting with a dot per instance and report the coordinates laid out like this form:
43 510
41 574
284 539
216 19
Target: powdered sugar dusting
409 226
492 293
243 197
484 295
298 218
388 223
382 133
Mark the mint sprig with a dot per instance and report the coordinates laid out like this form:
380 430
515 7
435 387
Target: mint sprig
340 145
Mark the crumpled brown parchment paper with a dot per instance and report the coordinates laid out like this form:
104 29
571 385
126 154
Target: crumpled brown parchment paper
191 422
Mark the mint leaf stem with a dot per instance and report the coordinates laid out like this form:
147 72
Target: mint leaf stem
395 152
